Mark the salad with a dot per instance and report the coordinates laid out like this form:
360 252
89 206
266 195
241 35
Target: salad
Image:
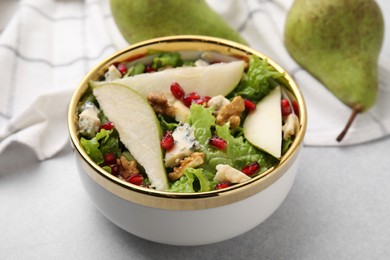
204 130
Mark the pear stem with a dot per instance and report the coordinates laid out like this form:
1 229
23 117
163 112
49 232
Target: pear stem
347 126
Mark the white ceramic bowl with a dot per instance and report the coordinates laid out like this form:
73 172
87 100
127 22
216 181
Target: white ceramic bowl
186 218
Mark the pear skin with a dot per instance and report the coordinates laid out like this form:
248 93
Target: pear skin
140 20
338 42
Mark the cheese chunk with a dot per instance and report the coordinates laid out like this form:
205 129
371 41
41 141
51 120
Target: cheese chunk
226 173
185 145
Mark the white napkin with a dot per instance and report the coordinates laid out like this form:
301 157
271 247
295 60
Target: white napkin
49 45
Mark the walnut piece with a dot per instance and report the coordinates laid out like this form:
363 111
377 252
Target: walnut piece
192 161
160 105
128 168
231 112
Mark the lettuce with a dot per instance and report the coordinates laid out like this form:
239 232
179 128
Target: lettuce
166 124
105 141
201 120
138 68
241 152
91 147
238 152
259 80
163 59
194 180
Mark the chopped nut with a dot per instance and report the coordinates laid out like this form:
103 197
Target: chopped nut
232 111
234 121
160 105
192 161
128 168
291 126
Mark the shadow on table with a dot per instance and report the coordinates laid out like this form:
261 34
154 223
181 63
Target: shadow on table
17 158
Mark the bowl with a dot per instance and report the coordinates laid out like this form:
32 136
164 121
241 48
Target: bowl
186 218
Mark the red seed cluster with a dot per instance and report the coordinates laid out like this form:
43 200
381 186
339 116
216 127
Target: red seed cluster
177 91
188 99
251 168
249 105
110 160
167 141
149 69
122 68
107 126
135 179
222 185
286 108
218 142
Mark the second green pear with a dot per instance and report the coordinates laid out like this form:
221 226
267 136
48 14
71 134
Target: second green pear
338 42
140 20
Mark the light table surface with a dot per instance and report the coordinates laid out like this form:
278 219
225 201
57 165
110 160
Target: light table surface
338 208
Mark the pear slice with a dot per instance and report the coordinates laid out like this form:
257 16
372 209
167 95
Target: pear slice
211 80
263 127
138 128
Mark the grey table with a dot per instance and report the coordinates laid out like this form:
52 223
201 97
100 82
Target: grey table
338 208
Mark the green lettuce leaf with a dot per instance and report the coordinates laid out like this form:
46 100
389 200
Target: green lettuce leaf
171 59
201 120
91 147
138 68
102 143
166 124
194 180
240 152
259 80
111 144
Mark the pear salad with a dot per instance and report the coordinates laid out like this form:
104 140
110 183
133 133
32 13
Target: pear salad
178 124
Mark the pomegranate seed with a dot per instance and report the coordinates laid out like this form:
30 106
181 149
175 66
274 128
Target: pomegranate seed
135 179
122 68
199 101
249 105
149 69
206 99
109 159
295 107
187 101
251 168
286 108
114 169
218 142
222 185
177 90
167 141
107 126
194 95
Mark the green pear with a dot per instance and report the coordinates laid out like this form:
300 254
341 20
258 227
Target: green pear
138 128
192 79
263 126
338 42
140 20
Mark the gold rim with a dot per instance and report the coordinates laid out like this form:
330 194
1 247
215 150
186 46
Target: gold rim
171 200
